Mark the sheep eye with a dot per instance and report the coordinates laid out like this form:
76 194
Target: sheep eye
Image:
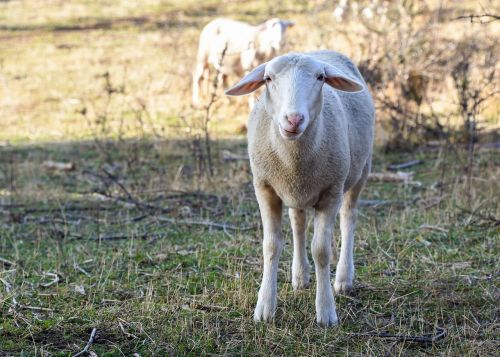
267 79
321 77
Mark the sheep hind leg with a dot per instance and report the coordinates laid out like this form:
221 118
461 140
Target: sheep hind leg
321 248
300 263
344 276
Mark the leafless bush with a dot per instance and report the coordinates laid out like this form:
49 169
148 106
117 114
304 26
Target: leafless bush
114 113
198 127
402 61
407 64
474 73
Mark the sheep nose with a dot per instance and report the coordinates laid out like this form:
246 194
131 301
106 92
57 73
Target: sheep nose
295 119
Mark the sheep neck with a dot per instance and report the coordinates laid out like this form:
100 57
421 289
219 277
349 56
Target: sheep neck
263 49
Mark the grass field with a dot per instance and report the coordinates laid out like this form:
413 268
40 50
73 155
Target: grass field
156 275
137 241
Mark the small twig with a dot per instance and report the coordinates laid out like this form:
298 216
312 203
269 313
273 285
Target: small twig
8 286
128 334
80 269
7 262
55 280
85 350
433 228
34 308
227 232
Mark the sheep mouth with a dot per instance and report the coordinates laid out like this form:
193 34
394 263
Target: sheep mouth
290 134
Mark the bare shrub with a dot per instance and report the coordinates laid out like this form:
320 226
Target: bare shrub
409 66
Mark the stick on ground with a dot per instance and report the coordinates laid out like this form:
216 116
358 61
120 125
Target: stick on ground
85 350
427 339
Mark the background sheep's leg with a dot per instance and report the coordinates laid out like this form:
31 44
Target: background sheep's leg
222 80
198 76
206 79
324 221
300 264
270 209
344 276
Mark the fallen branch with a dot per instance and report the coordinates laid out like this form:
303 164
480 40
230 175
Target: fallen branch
127 236
432 228
58 166
229 156
63 209
404 165
85 350
380 203
479 18
404 177
440 334
494 221
222 226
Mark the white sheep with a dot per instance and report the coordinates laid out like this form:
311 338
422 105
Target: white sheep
235 47
310 145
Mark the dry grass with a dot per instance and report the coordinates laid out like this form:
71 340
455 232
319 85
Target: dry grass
79 253
53 59
139 243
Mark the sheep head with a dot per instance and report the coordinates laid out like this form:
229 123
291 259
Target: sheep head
294 90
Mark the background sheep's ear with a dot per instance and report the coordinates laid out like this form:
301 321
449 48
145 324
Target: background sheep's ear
338 80
249 83
287 23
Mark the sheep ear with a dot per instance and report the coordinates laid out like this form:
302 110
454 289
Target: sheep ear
287 23
338 80
251 82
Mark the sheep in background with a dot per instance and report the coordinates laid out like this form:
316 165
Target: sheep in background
310 145
234 47
367 9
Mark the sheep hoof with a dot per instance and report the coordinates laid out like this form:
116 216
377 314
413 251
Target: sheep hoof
343 287
264 311
327 318
301 282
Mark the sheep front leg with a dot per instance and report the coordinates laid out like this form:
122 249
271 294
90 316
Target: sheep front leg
324 221
300 263
198 76
270 206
